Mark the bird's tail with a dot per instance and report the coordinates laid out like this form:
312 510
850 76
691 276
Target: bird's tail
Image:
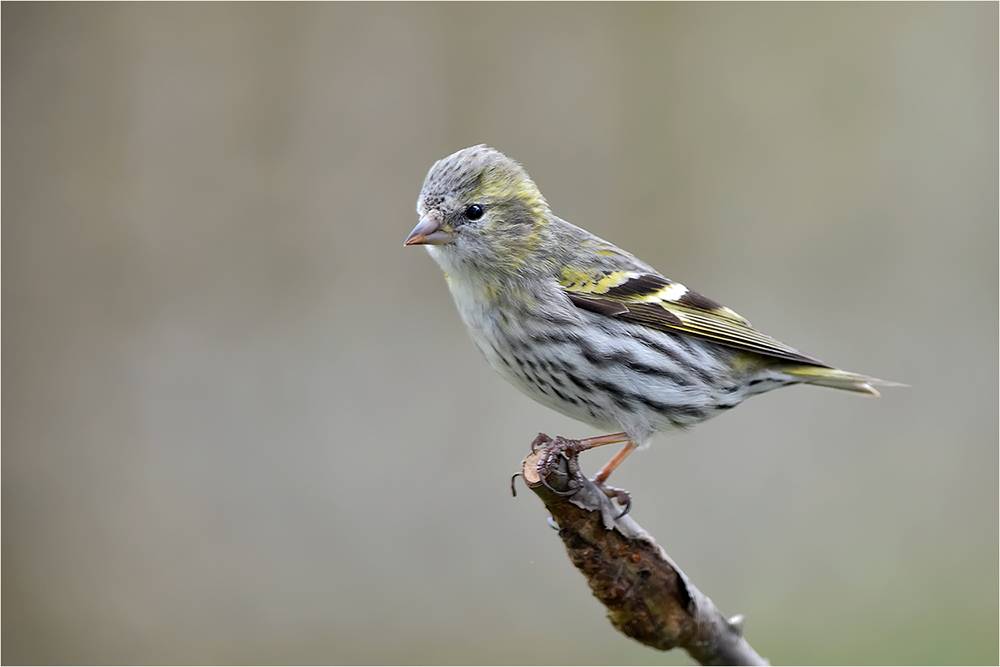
836 378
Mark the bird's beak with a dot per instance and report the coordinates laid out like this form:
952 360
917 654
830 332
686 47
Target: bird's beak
431 230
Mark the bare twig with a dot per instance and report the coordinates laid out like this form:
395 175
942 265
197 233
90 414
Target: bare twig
647 596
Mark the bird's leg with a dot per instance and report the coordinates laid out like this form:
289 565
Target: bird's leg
609 467
560 445
590 443
620 495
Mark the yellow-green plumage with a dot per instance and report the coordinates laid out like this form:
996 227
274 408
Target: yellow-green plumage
583 326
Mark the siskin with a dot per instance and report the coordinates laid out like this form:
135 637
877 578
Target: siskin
584 327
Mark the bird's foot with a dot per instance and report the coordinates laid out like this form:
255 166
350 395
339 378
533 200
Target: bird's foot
554 448
621 496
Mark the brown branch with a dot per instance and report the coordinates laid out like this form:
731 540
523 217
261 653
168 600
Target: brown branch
647 596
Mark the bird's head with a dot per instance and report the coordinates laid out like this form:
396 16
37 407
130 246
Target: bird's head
480 211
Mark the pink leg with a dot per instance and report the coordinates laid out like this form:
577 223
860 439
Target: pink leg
609 467
590 443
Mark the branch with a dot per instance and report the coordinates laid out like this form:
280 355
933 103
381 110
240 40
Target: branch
647 596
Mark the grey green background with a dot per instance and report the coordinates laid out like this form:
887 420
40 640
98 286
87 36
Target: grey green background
242 423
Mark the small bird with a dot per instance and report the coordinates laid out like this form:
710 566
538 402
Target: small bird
585 327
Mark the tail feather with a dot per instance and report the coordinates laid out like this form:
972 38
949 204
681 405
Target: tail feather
837 379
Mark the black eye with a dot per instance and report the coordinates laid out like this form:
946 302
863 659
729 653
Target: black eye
474 212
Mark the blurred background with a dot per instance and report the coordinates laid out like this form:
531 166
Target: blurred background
243 424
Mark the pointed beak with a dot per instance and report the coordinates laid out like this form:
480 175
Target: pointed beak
431 230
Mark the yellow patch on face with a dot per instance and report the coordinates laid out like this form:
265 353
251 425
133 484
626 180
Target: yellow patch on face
588 283
500 187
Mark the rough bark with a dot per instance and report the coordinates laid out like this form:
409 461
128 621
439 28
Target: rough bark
647 597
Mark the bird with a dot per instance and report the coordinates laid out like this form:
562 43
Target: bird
585 327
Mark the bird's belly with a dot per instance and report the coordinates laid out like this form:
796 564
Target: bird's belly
613 381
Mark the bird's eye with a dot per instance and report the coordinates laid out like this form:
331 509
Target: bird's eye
474 212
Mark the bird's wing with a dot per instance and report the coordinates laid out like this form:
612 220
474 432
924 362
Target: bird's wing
656 302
